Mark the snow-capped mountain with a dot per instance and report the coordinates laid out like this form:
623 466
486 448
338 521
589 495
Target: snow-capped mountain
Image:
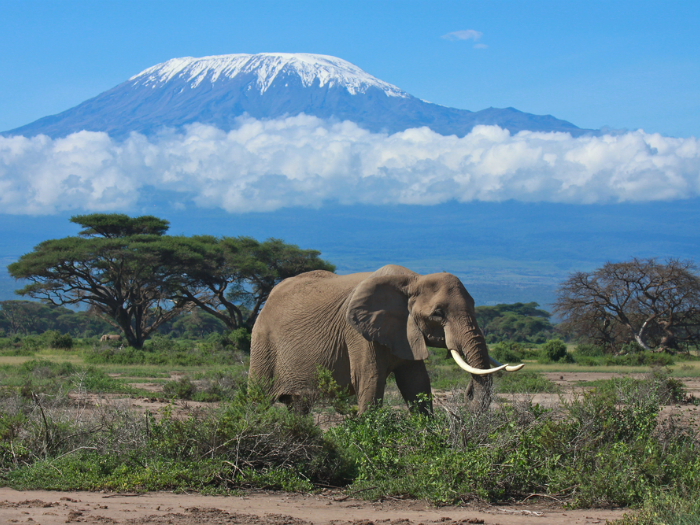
267 67
216 90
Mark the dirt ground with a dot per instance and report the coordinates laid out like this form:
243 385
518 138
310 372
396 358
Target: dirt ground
261 508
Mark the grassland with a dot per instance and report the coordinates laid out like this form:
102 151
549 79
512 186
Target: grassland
62 426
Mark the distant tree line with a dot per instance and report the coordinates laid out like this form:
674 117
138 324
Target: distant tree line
31 317
519 322
136 278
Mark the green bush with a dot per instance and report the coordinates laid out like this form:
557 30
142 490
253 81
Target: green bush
602 448
554 350
240 339
58 340
182 388
507 352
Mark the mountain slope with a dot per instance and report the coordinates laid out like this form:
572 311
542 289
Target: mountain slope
216 90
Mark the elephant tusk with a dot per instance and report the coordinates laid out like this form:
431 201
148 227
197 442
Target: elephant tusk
509 368
476 371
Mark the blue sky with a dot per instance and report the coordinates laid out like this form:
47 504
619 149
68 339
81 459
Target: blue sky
619 64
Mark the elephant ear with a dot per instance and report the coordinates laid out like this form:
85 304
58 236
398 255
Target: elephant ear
378 310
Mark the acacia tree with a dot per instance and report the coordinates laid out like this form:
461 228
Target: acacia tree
118 265
655 304
231 277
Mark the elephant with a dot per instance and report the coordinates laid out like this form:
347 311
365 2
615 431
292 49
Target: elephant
364 326
111 337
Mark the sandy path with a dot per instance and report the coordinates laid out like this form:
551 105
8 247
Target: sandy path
51 508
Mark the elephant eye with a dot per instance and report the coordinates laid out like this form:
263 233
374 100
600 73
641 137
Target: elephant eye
438 314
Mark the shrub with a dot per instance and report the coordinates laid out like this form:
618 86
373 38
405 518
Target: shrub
58 340
554 350
507 352
181 388
633 347
240 338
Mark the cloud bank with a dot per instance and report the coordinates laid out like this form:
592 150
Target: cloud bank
306 161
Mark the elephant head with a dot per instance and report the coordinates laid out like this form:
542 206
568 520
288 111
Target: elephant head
407 312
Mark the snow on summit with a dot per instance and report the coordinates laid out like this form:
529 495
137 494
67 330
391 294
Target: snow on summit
327 70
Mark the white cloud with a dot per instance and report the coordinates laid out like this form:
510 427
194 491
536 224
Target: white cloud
305 161
480 46
465 34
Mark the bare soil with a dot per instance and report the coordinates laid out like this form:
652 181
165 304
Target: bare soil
262 508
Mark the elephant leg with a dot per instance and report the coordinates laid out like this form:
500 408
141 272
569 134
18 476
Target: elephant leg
412 380
370 391
299 403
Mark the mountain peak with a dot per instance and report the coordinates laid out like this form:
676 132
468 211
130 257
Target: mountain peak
266 67
218 90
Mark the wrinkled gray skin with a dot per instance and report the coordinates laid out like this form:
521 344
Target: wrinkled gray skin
111 337
362 327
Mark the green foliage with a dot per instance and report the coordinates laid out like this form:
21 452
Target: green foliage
114 225
58 340
240 339
554 350
245 443
221 384
603 448
443 371
193 325
591 357
162 350
507 352
181 388
121 267
328 391
132 274
523 323
662 508
588 351
54 378
33 317
238 273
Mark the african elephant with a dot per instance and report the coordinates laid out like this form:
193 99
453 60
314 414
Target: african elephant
111 337
364 326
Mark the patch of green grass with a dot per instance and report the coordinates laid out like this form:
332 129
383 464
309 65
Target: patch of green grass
179 353
664 509
523 382
137 372
49 377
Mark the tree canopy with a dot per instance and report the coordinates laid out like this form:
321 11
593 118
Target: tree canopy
231 277
656 304
120 269
137 278
521 322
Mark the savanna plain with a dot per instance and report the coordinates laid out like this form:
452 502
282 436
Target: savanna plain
175 433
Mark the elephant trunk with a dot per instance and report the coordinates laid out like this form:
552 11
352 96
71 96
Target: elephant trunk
469 350
478 394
